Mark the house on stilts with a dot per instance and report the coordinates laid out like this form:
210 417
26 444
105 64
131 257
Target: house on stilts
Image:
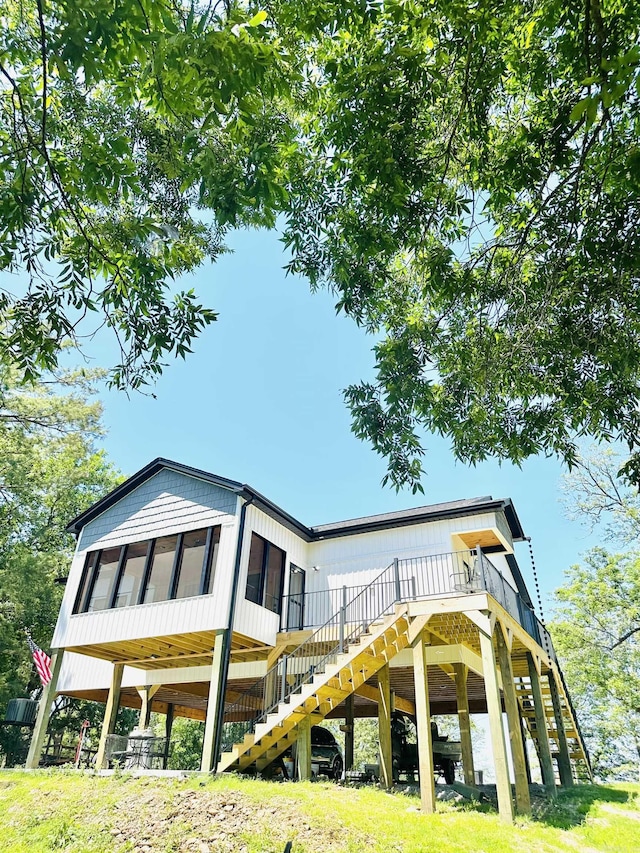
193 595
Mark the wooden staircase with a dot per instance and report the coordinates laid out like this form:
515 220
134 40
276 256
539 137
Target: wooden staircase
579 760
321 693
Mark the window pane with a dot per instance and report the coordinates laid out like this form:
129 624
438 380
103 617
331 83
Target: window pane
275 575
132 576
215 547
193 547
107 567
161 569
87 572
254 576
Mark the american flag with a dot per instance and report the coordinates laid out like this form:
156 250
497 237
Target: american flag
41 660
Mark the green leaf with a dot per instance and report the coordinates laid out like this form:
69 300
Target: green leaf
257 19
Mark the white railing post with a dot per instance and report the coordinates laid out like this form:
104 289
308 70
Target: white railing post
480 558
343 615
396 578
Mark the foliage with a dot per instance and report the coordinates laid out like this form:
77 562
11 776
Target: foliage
596 631
50 471
186 738
596 494
464 176
470 192
597 623
116 124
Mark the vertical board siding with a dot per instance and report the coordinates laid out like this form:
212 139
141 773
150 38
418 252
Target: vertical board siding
357 560
251 619
199 613
167 503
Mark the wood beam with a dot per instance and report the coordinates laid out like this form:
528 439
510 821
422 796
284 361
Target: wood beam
348 733
384 727
494 707
367 691
146 694
456 653
523 801
464 720
423 725
303 751
542 737
110 714
564 761
209 760
44 711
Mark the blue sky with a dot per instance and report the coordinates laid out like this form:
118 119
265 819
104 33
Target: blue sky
260 401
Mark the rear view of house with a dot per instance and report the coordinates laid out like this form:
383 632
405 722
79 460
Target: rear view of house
193 595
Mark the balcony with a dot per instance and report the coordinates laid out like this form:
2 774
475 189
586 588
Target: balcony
434 576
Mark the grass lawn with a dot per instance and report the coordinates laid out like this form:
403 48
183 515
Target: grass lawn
67 811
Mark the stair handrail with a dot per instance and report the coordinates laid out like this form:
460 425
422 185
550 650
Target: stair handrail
280 668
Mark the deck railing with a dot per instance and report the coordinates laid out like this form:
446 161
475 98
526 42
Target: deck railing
347 612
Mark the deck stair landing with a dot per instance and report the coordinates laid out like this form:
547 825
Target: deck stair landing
325 690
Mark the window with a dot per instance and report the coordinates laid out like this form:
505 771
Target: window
159 583
103 578
178 566
191 563
132 574
265 574
87 574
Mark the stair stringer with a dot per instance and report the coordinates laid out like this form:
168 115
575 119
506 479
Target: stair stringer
324 692
579 761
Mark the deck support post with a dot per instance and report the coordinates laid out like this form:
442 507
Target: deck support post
564 760
209 760
494 708
168 726
110 714
542 738
423 725
303 751
146 694
523 800
44 710
462 698
526 751
384 727
348 732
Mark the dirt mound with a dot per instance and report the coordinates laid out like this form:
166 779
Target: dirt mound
198 821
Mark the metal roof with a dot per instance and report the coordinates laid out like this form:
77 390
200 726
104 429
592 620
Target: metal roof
399 518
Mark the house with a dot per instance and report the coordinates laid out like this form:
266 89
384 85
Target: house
191 594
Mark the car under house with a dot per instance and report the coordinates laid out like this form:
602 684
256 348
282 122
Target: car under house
194 595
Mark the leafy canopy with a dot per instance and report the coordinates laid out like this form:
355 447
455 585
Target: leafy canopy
596 627
119 124
464 176
471 193
50 471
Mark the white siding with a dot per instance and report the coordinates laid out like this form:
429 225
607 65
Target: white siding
167 503
81 672
357 559
254 621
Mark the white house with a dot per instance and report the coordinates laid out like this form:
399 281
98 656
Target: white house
191 594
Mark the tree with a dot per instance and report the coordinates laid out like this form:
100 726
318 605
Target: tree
463 176
596 628
50 471
596 631
117 122
471 194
